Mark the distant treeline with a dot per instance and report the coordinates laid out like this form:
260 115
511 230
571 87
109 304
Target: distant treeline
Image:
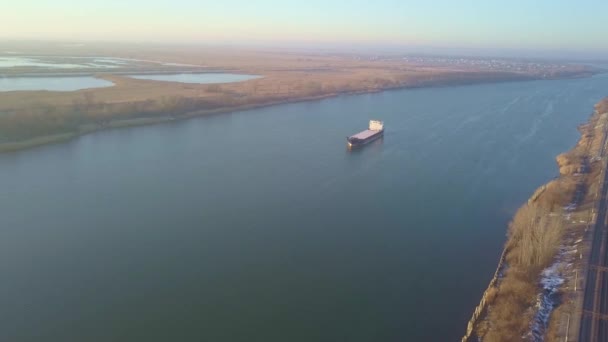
39 119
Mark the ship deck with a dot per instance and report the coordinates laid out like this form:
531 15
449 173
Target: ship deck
364 134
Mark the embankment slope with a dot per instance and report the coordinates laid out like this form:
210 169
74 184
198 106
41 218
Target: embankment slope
554 220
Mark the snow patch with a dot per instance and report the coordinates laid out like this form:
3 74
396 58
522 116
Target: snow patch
551 280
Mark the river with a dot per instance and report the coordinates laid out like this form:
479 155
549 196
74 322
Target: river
260 225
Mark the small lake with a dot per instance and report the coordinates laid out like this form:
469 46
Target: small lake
40 63
11 62
204 78
72 83
52 83
50 62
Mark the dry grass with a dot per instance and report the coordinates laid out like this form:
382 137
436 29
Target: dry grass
602 106
535 234
558 193
534 238
533 241
34 114
286 77
510 314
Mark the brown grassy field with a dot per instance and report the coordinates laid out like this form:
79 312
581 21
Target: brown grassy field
285 77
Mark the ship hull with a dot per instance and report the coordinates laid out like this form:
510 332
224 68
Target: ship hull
353 143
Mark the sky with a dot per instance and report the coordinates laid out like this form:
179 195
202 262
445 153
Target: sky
552 25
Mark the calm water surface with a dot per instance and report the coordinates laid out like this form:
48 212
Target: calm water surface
54 62
260 226
55 83
19 61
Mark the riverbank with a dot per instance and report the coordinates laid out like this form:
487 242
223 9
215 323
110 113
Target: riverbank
174 110
12 146
534 289
30 118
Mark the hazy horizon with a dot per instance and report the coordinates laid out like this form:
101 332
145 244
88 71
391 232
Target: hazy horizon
544 29
21 46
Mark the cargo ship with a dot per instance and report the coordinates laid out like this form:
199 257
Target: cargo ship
375 131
